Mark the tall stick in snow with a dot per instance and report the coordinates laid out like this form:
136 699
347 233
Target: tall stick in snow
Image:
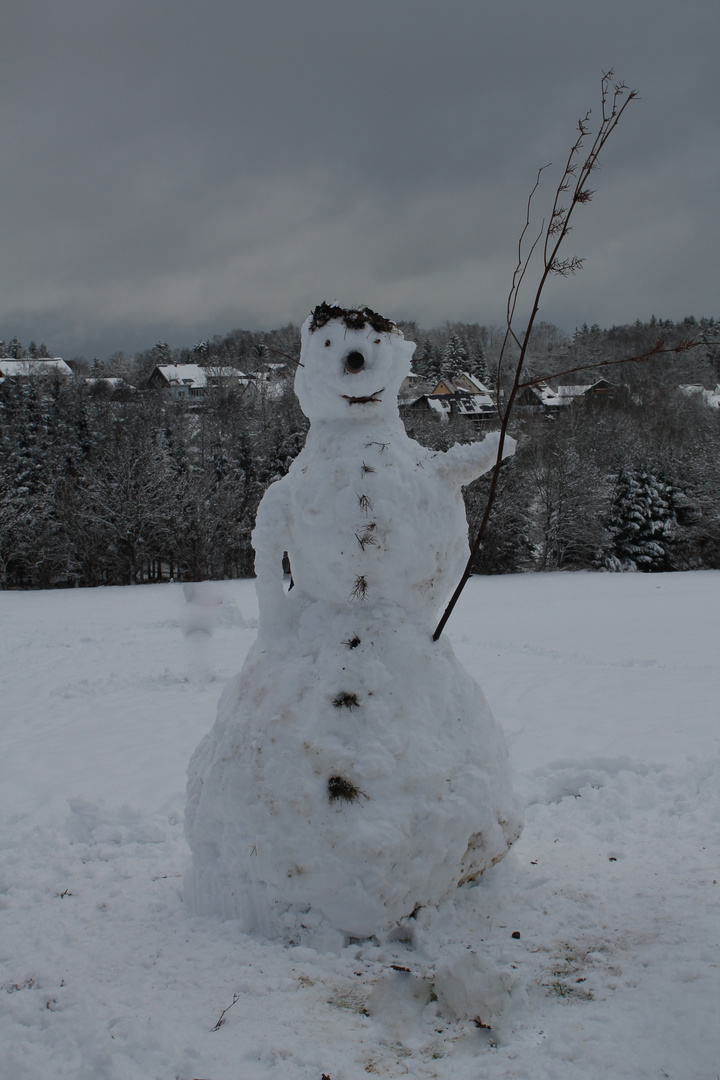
571 192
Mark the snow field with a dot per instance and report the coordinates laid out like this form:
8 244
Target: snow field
606 686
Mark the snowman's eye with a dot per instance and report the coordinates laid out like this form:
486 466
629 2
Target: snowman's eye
377 340
328 343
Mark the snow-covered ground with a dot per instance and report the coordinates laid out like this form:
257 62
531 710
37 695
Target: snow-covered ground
590 951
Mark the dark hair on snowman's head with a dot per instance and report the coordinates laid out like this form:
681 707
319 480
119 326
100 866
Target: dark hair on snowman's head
353 318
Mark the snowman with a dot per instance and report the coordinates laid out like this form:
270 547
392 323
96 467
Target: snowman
355 772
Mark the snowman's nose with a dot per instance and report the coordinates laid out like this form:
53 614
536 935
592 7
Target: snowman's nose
354 362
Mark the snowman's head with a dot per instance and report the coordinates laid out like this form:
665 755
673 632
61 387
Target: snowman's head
352 364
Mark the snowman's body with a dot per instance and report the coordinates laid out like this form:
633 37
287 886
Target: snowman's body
355 771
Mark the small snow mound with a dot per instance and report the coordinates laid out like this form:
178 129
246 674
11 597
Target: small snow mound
91 824
397 1003
567 778
472 988
207 606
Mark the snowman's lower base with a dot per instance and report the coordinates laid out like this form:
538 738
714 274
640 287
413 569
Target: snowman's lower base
354 774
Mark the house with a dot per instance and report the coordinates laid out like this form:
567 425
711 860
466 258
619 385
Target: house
472 384
475 407
15 370
464 382
409 388
540 397
440 406
599 388
192 380
709 397
462 396
534 398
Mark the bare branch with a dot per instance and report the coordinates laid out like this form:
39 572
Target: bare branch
573 186
279 352
658 349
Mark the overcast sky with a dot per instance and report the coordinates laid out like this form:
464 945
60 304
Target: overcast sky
172 169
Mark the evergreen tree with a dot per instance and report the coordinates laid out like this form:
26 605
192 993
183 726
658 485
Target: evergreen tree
642 520
434 368
455 357
427 349
477 366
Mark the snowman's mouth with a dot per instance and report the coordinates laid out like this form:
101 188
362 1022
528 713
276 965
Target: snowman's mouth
364 400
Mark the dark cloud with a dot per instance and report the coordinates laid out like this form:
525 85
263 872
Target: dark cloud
173 169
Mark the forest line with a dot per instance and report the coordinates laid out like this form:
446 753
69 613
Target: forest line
102 485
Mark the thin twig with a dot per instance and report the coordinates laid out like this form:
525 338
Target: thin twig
221 1018
517 279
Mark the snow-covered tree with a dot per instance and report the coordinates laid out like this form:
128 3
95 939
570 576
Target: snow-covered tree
642 520
477 366
15 349
433 367
455 357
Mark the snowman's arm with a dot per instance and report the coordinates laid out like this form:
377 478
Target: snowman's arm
270 540
462 464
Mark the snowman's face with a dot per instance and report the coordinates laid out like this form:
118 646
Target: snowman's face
351 374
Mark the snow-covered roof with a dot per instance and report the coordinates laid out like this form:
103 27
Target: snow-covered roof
573 391
563 396
465 383
548 397
184 374
462 403
474 404
194 376
23 369
710 397
474 384
442 408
